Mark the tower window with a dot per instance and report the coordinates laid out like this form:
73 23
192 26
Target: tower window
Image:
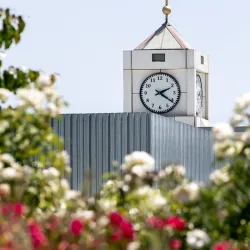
158 57
202 59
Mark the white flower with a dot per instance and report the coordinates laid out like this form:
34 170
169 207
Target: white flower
197 239
4 189
54 187
176 170
145 190
134 245
7 158
107 205
53 110
223 131
125 188
84 214
137 158
242 103
245 137
180 170
65 184
157 201
10 174
44 81
32 97
64 156
219 177
127 177
142 170
133 211
72 194
28 170
51 173
103 221
4 94
236 119
186 193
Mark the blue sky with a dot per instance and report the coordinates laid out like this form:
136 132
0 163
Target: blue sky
83 41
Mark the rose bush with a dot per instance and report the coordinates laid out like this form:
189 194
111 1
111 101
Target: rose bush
139 209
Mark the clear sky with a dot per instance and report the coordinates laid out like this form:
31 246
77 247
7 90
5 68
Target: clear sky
83 41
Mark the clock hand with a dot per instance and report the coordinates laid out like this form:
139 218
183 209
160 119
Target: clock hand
171 100
162 91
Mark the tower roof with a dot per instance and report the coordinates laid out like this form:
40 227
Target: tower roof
166 37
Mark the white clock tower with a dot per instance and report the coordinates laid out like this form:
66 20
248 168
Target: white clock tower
165 75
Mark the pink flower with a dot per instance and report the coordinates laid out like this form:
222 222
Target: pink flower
159 224
115 219
38 237
151 221
176 223
175 243
18 209
76 226
127 229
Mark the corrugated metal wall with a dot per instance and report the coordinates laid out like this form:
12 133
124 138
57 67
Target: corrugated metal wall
179 143
94 141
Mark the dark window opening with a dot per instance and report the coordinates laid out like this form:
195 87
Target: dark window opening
202 59
158 57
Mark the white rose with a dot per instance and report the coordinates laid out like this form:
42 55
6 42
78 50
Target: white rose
44 81
157 201
236 119
7 158
11 174
197 239
84 214
242 103
4 94
219 177
72 194
51 173
223 131
64 156
65 184
134 245
137 158
245 137
186 193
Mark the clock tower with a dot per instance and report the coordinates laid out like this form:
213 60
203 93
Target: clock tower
165 75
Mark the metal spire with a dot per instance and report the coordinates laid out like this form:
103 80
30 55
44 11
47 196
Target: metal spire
166 10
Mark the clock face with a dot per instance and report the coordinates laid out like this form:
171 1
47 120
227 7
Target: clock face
199 95
160 93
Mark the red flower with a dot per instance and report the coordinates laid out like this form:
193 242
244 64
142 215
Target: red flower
38 237
176 223
221 246
159 224
115 219
18 209
127 229
76 226
175 243
115 236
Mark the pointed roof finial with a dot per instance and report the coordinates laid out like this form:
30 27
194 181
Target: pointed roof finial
166 10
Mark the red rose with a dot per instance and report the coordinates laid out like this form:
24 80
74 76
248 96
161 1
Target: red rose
115 219
76 226
221 246
38 237
175 243
127 229
176 223
18 209
115 236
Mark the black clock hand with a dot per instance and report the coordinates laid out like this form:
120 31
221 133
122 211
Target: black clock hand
171 100
162 91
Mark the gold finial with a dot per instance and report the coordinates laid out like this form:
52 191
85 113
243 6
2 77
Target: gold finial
166 10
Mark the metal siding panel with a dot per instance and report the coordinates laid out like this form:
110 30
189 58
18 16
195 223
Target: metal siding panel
86 149
124 134
118 141
131 132
93 150
99 149
74 156
105 143
112 137
80 149
144 136
137 128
